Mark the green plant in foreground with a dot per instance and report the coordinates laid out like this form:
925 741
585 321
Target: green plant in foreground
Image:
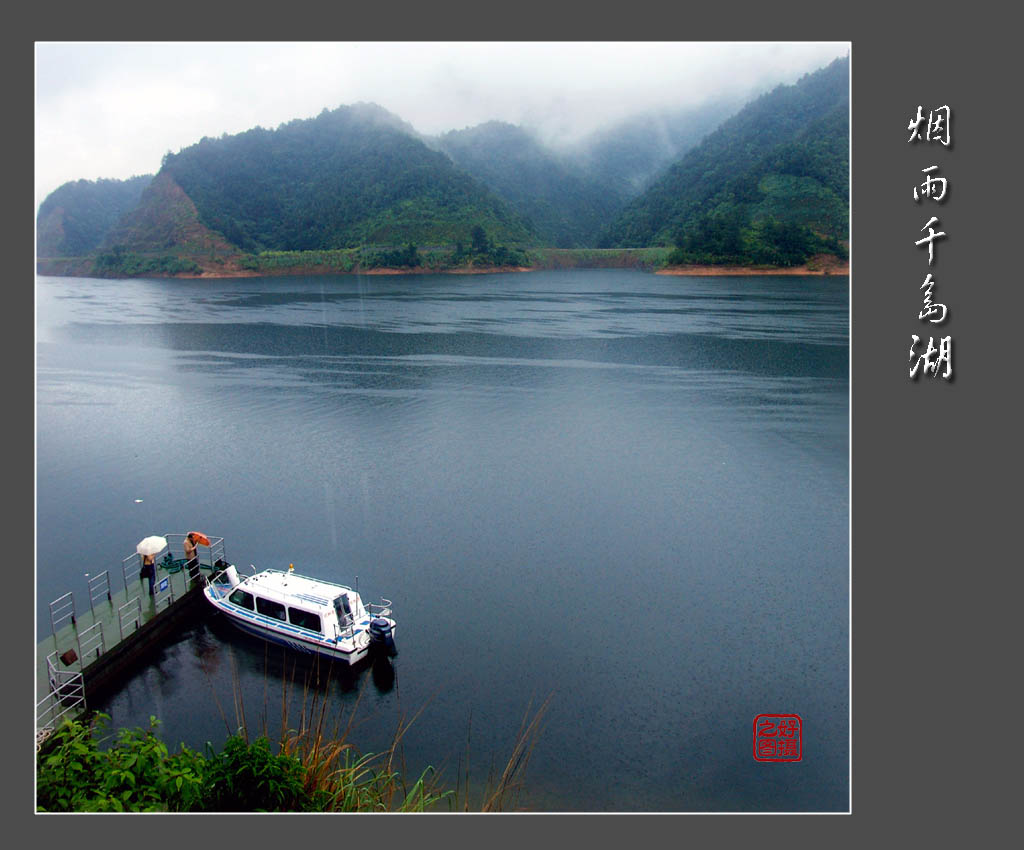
246 777
136 774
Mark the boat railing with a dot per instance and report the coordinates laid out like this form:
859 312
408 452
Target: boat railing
218 570
383 609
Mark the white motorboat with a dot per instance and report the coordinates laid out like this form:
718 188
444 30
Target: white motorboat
303 613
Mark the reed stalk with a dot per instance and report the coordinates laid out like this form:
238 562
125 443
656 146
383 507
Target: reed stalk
338 778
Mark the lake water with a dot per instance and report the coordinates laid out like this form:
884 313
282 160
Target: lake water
624 491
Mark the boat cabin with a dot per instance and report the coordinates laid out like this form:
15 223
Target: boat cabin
325 608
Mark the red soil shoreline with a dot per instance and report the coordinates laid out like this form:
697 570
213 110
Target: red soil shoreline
323 270
820 266
680 271
715 271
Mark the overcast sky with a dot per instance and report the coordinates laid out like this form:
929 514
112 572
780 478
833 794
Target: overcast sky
114 109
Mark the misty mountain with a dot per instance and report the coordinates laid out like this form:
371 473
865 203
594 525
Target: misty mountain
571 194
628 155
566 206
75 217
360 174
769 184
354 175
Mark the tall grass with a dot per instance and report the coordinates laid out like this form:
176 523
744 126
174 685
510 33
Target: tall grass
340 778
502 790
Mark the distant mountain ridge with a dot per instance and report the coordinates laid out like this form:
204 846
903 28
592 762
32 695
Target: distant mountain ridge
768 184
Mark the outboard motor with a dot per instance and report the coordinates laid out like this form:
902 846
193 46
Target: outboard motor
381 637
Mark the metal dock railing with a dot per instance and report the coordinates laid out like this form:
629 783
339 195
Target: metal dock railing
87 646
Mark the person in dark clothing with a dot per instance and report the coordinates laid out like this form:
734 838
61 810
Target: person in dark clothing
148 571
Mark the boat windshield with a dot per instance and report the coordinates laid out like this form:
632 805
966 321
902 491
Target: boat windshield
342 609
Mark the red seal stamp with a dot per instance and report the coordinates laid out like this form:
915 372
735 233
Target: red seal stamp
778 737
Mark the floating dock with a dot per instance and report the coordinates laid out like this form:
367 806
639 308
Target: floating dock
93 644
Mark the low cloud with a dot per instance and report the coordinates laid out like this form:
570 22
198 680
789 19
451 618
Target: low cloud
113 110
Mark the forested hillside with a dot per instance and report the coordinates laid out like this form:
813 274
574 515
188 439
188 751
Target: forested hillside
73 219
769 186
348 177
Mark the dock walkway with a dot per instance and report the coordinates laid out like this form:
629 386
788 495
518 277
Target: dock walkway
93 643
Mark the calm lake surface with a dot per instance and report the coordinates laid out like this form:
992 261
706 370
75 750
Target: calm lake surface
625 491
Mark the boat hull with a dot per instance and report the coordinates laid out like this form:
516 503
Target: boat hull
297 645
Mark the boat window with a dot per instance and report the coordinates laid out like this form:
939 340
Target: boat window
270 609
240 597
305 619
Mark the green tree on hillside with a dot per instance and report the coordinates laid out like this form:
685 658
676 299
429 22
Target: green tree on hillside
481 244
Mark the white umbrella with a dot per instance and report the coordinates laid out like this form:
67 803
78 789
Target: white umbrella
151 545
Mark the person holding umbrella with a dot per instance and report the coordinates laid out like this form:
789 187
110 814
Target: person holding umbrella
148 548
193 539
191 560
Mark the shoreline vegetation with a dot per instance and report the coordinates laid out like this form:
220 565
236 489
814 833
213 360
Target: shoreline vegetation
83 766
362 261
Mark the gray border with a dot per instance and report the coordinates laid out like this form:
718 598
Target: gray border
933 461
933 493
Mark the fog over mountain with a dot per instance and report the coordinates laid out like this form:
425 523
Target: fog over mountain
727 181
113 110
360 174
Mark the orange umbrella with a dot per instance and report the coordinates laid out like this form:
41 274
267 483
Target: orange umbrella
200 538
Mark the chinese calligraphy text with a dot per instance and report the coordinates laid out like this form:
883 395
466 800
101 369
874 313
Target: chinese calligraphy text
935 360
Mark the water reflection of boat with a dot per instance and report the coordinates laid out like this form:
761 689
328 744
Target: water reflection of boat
305 614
